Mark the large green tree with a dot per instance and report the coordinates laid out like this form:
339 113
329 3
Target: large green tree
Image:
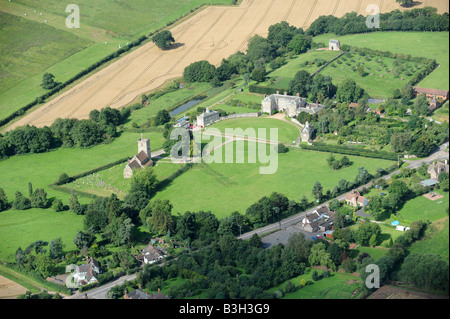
301 83
163 39
156 216
200 71
348 91
48 81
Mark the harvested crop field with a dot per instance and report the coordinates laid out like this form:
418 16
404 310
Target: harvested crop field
9 289
212 34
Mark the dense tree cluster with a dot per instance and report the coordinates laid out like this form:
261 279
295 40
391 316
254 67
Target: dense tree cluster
417 19
68 132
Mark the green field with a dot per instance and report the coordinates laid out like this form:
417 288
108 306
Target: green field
431 45
123 18
28 52
337 286
224 188
21 228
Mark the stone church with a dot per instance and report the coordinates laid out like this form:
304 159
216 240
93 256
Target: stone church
142 159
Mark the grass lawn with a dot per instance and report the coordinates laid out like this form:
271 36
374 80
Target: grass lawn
225 188
21 228
432 45
337 286
422 208
287 132
374 252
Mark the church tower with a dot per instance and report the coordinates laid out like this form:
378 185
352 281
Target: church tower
144 145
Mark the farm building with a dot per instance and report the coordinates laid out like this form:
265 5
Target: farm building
142 159
432 93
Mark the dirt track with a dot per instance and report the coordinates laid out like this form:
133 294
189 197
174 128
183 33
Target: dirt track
212 34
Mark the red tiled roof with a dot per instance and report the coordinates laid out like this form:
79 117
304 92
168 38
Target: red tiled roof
430 91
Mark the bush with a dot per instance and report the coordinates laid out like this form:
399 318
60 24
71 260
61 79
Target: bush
57 205
21 202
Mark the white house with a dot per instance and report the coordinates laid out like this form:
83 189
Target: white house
87 273
151 254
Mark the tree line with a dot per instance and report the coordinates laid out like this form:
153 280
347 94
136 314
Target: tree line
418 19
100 126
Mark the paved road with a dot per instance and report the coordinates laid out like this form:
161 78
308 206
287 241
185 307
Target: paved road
101 292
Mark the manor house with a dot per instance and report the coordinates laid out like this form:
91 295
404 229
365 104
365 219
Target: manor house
292 105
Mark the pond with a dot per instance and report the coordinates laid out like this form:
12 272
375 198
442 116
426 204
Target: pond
184 107
375 101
